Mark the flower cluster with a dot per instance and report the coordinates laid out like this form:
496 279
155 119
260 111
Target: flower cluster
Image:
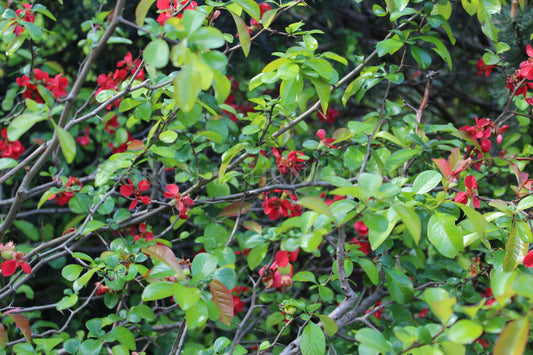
167 10
289 164
517 82
24 15
470 193
12 260
483 68
378 313
63 197
481 132
10 149
279 274
144 233
57 85
276 206
182 203
130 189
361 228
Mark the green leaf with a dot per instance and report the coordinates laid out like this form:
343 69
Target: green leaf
250 7
158 290
125 337
90 347
186 297
72 272
369 184
515 250
7 163
388 46
157 53
441 304
256 256
291 90
141 10
513 339
28 229
525 203
192 20
227 276
323 90
207 38
82 281
313 341
379 228
426 181
400 286
438 235
93 225
244 35
197 315
23 123
440 49
478 220
187 87
470 6
372 339
304 276
47 345
321 67
34 30
465 331
67 302
328 324
204 264
67 143
316 204
370 269
410 219
223 299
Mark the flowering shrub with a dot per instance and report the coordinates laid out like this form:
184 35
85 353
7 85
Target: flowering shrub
207 177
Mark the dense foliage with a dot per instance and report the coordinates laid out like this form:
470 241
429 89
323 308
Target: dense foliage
232 177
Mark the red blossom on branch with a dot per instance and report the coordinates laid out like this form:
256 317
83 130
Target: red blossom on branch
361 228
470 193
10 149
330 116
483 68
182 203
24 15
321 134
57 85
63 197
167 10
130 189
289 164
84 140
144 234
13 260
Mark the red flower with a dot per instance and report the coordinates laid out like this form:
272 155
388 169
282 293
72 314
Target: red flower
238 305
277 277
274 206
63 197
9 267
379 313
58 85
282 257
330 201
361 228
122 147
25 15
528 260
167 10
330 116
183 203
144 234
423 312
102 289
131 66
471 187
10 149
321 134
526 67
483 68
264 7
291 163
363 246
85 139
130 189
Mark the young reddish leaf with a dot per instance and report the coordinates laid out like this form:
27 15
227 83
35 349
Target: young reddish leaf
223 299
135 145
252 226
22 323
232 210
165 255
3 336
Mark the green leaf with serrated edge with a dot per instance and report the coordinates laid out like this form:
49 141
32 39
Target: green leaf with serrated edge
316 204
158 290
165 255
465 331
23 123
82 281
186 297
525 203
67 143
514 337
92 226
426 181
515 250
244 35
313 341
410 220
399 285
141 10
323 91
373 339
304 276
227 157
370 269
67 302
256 256
223 299
250 7
72 272
328 324
22 323
187 87
157 53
